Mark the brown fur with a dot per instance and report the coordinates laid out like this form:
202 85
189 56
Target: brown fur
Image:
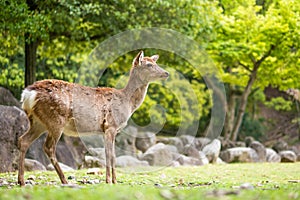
60 107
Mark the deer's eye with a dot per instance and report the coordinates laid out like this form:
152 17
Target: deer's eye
149 65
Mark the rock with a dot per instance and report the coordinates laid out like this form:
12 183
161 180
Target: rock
190 151
202 157
31 177
7 99
69 150
77 150
189 161
295 148
249 140
36 152
64 168
280 146
92 162
125 142
272 156
201 142
171 148
175 164
97 152
129 161
94 171
145 140
288 156
239 154
33 165
247 186
177 142
13 124
260 150
71 177
212 150
187 139
164 140
93 141
240 144
158 155
220 161
226 144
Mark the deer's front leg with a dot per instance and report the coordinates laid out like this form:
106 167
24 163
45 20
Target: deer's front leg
109 139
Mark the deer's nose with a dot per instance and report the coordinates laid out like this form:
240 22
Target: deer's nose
167 74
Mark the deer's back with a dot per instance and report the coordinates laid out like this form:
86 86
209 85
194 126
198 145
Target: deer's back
59 104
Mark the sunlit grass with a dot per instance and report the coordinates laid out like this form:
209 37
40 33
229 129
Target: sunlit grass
262 181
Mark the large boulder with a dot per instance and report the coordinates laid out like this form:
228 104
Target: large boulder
280 145
129 161
260 150
92 141
97 152
272 156
145 140
189 161
7 99
77 150
201 142
239 154
69 151
36 152
64 168
125 142
187 139
94 162
177 142
158 155
191 151
171 148
212 150
249 140
13 123
288 156
33 165
202 157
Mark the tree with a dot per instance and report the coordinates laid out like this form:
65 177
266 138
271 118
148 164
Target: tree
54 37
257 46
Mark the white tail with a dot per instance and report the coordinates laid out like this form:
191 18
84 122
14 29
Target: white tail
61 107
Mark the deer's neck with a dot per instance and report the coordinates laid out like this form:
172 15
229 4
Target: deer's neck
135 91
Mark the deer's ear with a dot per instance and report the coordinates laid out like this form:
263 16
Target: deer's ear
155 57
138 59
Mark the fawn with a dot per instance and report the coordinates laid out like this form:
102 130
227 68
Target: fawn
60 107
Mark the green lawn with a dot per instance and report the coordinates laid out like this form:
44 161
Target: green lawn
262 181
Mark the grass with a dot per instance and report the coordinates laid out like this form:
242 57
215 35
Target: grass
262 181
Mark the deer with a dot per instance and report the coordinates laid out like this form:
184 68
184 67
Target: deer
57 107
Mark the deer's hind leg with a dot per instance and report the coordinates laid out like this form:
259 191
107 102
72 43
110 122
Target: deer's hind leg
35 130
50 148
109 140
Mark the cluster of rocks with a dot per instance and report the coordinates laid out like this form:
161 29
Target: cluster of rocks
133 148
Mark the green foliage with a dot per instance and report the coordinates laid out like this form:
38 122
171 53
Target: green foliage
279 104
252 127
246 34
236 33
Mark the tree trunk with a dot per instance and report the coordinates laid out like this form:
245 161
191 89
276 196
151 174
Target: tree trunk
30 60
30 50
243 104
245 95
230 113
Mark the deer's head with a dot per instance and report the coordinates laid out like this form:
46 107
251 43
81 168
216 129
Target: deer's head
146 68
